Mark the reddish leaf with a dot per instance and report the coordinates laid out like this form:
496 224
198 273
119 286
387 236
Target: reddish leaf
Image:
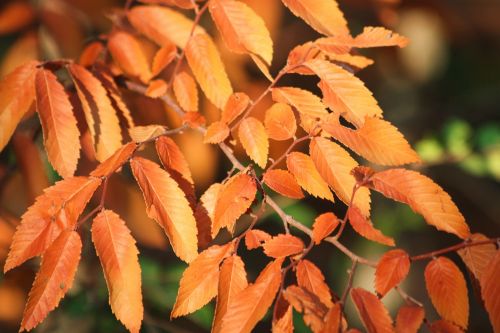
285 323
199 281
477 257
115 161
172 158
255 237
372 312
333 320
365 227
283 182
118 255
253 137
310 277
232 280
233 200
448 290
186 92
409 319
280 122
302 168
235 106
252 303
392 268
443 326
54 278
307 303
323 226
283 245
490 291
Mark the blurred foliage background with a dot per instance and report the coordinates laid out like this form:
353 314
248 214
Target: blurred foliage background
442 91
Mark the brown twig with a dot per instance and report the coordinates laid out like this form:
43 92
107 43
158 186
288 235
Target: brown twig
351 273
464 244
407 298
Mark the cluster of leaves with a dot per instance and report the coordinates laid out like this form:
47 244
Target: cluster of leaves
347 115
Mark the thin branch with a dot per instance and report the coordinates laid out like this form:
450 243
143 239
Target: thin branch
351 273
292 145
464 244
408 299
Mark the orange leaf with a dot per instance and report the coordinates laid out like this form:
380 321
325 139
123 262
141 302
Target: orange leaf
365 227
333 320
172 158
307 303
216 132
303 100
252 303
477 257
409 319
58 208
254 139
232 280
61 135
335 165
255 237
300 54
91 53
285 323
283 182
127 51
54 278
324 16
448 290
423 196
310 277
283 245
193 119
372 312
156 88
17 93
443 326
490 291
344 93
186 92
118 255
115 161
163 57
323 226
233 200
167 205
235 105
377 140
302 168
280 122
356 61
146 133
199 281
210 197
379 36
95 101
241 28
162 25
205 62
392 268
15 15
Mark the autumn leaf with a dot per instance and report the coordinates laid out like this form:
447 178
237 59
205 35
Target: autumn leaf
255 238
210 197
186 92
17 93
423 196
115 161
162 25
283 183
365 227
285 323
379 36
335 164
490 291
283 245
128 52
443 326
146 133
302 168
477 257
372 312
60 132
199 281
54 278
233 200
324 16
163 57
304 101
105 130
323 226
254 139
280 122
409 319
251 304
448 291
232 280
217 132
376 140
57 209
307 303
117 252
241 28
392 268
310 277
344 93
205 62
167 205
355 61
156 88
333 319
172 158
235 106
194 120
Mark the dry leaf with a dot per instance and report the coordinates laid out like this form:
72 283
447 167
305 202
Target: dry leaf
235 106
283 245
409 319
280 122
302 168
283 183
186 92
253 137
323 226
309 276
372 312
392 268
254 238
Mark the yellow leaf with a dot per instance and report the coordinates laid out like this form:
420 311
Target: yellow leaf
216 132
156 88
205 62
163 57
118 255
379 36
235 106
302 100
253 137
